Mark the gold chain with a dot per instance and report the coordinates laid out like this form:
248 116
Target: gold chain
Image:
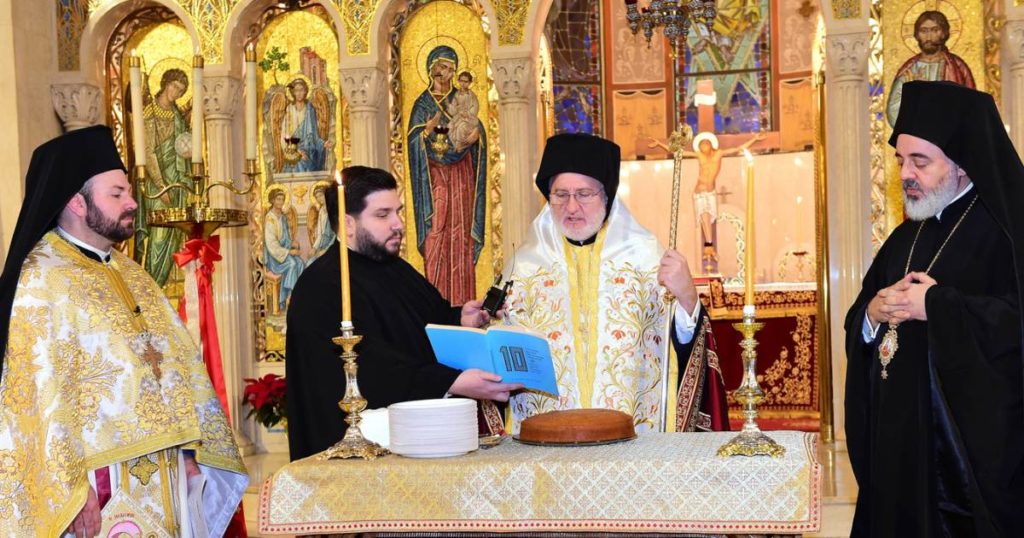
890 342
906 269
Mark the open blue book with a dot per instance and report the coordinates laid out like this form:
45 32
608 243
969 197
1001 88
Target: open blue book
514 353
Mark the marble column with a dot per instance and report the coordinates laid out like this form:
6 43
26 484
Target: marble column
366 91
1013 85
232 294
77 104
514 79
849 189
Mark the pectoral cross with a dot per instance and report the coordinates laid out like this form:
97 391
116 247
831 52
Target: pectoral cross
152 356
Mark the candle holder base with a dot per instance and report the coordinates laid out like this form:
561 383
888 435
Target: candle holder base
353 445
358 447
751 443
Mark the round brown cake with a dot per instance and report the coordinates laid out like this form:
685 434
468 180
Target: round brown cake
577 426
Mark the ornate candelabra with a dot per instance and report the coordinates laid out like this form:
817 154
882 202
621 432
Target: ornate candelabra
353 445
196 218
751 441
674 17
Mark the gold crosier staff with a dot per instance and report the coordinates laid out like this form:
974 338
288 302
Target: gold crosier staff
676 142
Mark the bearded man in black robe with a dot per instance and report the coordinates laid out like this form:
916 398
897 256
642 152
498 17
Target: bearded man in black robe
934 409
392 304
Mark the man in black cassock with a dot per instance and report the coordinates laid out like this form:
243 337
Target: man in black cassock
934 410
391 305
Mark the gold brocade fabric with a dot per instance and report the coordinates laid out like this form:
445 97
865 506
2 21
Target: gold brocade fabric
660 482
604 314
89 381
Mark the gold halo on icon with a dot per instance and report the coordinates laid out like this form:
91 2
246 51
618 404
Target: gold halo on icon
161 67
297 76
434 42
272 191
947 8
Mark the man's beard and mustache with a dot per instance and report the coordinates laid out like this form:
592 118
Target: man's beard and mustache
111 229
581 234
930 202
368 246
931 47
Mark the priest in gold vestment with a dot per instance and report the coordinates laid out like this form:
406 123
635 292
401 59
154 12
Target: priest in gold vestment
594 281
108 421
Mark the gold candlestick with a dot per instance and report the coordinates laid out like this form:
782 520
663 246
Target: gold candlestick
751 441
353 445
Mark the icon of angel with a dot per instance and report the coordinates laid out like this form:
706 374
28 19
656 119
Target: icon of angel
299 117
281 245
318 224
168 162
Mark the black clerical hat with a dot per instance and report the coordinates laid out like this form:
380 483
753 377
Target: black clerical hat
583 154
948 115
58 169
966 126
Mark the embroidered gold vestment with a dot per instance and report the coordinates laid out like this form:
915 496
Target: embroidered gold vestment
99 370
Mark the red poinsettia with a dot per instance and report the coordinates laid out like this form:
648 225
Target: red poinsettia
266 398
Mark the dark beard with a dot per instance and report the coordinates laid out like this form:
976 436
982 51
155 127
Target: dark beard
930 48
371 248
108 228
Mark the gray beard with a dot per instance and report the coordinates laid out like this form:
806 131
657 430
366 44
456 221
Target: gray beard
931 203
581 234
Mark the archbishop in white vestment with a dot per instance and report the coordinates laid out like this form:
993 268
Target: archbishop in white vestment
599 301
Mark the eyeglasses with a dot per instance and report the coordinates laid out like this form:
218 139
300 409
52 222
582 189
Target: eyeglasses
583 196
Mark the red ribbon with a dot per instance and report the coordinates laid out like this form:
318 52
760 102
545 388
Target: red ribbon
205 252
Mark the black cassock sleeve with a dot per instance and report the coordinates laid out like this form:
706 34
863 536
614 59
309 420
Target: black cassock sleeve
859 355
396 354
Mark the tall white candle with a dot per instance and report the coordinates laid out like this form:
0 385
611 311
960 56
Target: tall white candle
250 103
197 108
138 111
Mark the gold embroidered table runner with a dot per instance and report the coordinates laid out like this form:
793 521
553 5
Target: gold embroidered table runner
660 482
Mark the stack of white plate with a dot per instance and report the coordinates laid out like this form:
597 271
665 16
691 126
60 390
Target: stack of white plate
433 428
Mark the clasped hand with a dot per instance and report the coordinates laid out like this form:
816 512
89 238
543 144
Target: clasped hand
901 301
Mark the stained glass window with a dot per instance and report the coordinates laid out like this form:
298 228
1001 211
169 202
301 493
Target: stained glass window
734 52
577 108
576 66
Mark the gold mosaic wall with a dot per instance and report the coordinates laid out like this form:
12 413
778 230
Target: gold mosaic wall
974 36
210 18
